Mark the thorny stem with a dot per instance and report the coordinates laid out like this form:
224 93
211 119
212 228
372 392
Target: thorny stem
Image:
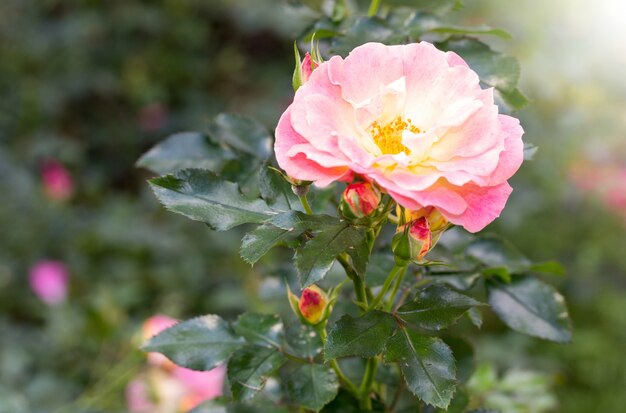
305 204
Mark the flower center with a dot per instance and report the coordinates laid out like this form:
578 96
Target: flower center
389 137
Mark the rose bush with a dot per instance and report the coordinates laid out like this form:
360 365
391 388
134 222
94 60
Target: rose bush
411 118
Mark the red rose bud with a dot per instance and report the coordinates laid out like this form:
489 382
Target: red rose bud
412 241
312 304
307 67
359 200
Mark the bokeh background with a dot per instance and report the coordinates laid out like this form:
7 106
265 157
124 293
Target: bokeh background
87 86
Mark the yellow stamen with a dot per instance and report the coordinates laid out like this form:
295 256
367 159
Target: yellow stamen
389 137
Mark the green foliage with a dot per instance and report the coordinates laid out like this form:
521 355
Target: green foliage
435 308
532 307
201 343
202 196
427 365
312 386
365 336
249 368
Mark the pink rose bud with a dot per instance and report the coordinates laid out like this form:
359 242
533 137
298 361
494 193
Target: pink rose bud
359 200
151 327
57 181
48 280
307 67
412 241
312 304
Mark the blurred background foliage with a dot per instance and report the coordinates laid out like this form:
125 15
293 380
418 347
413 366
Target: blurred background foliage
93 84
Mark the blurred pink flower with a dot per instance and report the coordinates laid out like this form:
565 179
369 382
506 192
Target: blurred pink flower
411 118
57 181
604 180
49 280
166 387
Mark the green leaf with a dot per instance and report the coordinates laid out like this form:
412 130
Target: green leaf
496 253
249 368
460 281
304 340
241 133
513 99
531 307
364 336
316 258
276 191
280 228
530 151
475 316
202 196
427 365
549 267
262 329
366 29
436 307
185 150
201 343
313 386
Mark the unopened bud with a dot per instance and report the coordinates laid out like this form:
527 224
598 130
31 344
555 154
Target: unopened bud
304 68
359 200
312 304
412 241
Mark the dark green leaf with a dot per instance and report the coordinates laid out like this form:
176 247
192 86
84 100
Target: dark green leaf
360 254
276 191
202 196
366 29
364 336
201 343
241 133
475 316
512 99
436 307
304 340
261 329
459 402
427 365
283 227
316 258
249 368
313 386
185 150
496 253
531 307
461 281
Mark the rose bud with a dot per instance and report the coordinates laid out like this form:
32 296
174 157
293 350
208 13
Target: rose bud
57 182
412 241
312 304
303 69
359 200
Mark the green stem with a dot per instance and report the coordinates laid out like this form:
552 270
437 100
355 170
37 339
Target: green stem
390 278
374 5
305 204
359 287
394 291
321 329
366 384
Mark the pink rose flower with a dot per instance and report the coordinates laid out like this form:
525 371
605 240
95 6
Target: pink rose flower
49 280
411 118
57 181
